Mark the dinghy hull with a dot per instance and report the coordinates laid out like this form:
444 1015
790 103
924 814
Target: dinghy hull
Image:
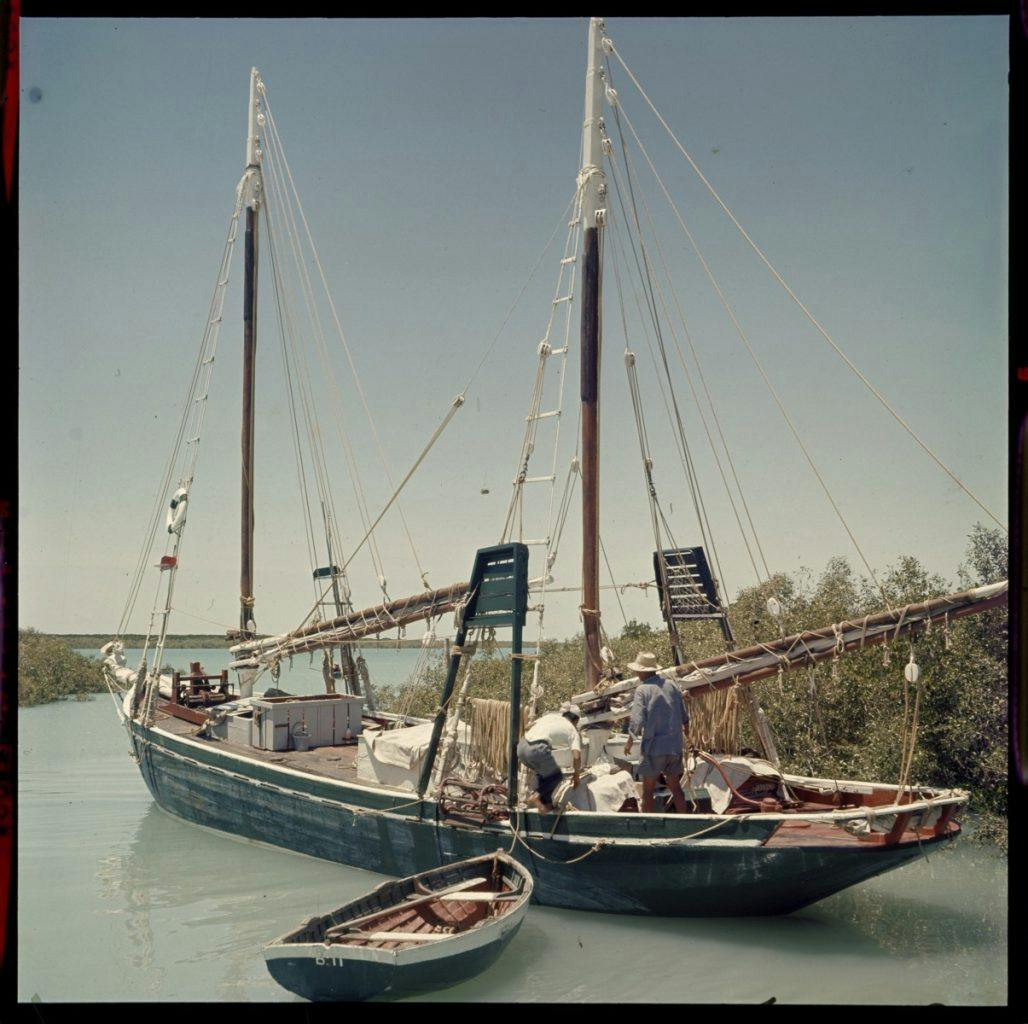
316 973
428 931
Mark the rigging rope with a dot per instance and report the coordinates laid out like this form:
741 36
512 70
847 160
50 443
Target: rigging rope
202 370
703 380
642 264
760 367
339 328
455 405
681 443
195 412
279 194
316 463
563 294
610 48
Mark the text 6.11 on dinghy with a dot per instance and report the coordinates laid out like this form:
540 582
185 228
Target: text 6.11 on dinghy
334 776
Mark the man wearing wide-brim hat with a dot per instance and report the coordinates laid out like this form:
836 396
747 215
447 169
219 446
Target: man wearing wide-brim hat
660 717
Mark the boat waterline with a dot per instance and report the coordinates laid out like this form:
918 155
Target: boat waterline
156 909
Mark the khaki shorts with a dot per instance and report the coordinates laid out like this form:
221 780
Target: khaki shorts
668 764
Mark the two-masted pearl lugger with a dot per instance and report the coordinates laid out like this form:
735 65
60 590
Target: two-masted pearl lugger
331 776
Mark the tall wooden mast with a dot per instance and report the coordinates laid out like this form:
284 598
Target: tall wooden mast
591 180
251 186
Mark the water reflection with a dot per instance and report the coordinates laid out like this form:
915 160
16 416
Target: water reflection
154 908
194 899
204 899
909 926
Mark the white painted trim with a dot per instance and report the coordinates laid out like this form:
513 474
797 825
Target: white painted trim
485 932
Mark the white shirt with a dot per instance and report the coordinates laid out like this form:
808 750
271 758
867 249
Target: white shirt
556 730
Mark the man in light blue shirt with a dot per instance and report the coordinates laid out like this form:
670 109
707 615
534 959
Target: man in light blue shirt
660 717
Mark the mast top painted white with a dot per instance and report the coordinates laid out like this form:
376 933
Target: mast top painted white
251 183
591 177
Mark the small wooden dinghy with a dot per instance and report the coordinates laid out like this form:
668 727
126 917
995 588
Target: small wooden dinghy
422 932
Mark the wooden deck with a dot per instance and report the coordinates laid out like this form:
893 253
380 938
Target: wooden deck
329 762
340 763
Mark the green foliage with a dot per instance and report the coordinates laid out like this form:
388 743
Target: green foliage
178 641
847 720
836 721
49 670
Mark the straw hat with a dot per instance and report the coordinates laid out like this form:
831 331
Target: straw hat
645 661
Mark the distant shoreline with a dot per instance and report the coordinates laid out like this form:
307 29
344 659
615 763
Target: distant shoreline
186 641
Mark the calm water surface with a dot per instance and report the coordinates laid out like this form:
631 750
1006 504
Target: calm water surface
120 901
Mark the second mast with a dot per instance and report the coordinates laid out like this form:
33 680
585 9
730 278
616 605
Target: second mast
593 184
251 186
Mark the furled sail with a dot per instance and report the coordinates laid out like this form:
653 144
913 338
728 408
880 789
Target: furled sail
750 664
355 625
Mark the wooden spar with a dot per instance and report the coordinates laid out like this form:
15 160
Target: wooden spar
514 735
593 189
346 662
809 647
252 185
249 351
440 715
356 624
759 661
590 458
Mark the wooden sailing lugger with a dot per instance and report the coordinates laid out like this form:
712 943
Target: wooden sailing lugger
834 833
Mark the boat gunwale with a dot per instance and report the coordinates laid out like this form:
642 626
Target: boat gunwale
473 938
493 927
944 798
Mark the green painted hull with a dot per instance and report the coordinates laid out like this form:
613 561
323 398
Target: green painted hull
649 869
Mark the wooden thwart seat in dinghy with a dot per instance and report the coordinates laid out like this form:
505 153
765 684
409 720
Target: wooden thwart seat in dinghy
354 925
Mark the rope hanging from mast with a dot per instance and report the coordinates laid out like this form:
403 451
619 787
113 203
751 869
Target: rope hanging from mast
341 334
756 361
655 286
611 49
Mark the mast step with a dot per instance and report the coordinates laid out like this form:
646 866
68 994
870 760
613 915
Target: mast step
568 259
543 415
538 479
564 298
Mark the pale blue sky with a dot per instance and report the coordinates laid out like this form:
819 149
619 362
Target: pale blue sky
867 157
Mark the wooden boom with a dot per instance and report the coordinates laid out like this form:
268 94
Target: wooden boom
355 625
750 664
